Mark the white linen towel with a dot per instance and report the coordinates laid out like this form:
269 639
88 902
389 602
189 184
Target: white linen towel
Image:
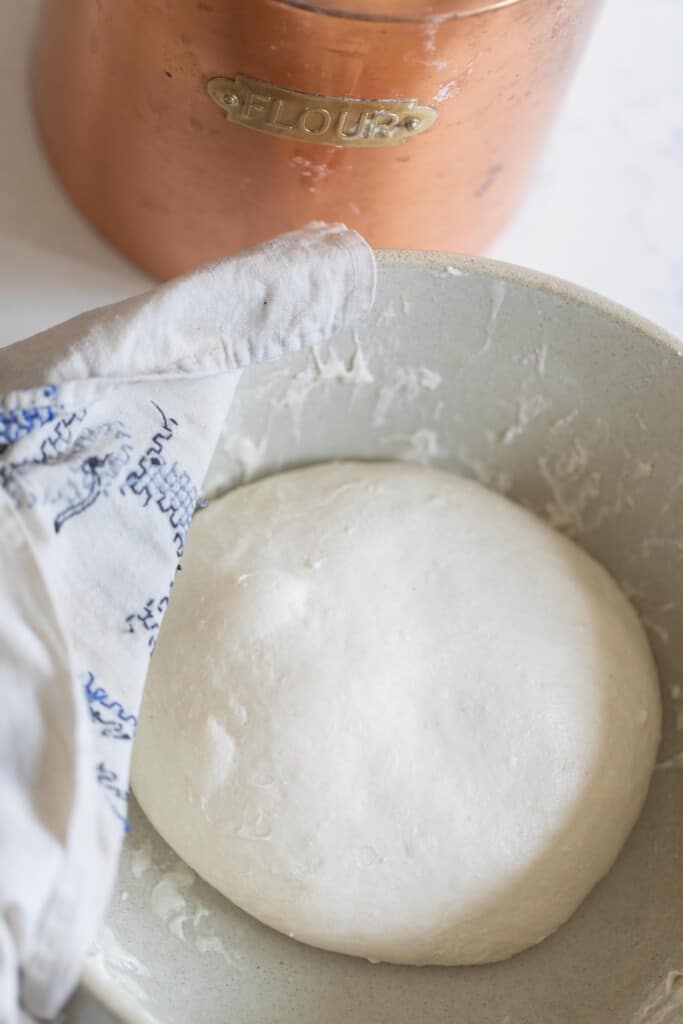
107 426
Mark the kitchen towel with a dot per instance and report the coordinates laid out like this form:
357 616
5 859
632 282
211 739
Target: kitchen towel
107 426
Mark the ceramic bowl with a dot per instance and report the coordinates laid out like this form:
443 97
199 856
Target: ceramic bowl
573 407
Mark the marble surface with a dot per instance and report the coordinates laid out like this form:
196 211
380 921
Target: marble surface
606 206
605 209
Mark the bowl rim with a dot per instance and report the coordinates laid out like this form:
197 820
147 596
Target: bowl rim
91 980
122 1008
482 266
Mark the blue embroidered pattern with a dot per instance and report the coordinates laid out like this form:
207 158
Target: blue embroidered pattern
108 779
113 722
163 483
54 448
16 423
149 619
116 723
86 479
97 476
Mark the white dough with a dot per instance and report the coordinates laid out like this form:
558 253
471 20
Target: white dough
395 715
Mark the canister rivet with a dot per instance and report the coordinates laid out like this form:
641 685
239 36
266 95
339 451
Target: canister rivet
412 123
231 98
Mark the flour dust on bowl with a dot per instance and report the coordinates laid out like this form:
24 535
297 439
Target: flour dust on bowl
570 406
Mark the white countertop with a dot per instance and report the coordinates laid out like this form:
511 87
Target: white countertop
605 209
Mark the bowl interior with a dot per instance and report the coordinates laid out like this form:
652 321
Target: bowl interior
573 408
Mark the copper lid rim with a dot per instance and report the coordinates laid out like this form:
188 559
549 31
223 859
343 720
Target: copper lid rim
440 12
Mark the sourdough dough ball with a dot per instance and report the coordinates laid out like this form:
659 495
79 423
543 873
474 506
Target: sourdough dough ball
395 715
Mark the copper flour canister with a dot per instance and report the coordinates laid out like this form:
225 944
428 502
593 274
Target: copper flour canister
185 129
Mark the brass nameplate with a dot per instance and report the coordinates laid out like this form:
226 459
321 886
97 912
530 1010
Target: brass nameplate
328 120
